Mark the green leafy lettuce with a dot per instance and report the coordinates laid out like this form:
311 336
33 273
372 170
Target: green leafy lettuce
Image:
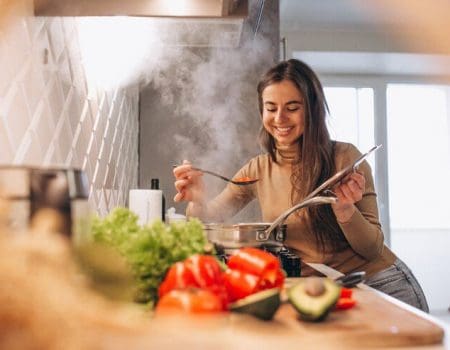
149 250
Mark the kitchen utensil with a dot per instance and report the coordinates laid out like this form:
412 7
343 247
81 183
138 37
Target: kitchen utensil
234 236
306 203
328 185
352 279
54 199
326 189
236 182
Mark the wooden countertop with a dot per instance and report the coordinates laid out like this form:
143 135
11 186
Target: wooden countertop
46 304
377 321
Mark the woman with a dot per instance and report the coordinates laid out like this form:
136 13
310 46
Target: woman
300 156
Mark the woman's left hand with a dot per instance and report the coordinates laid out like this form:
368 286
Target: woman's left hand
348 192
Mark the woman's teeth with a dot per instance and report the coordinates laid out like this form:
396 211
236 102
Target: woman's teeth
283 130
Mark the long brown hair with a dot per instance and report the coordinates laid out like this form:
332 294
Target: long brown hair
316 162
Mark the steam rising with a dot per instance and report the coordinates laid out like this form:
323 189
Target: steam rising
208 89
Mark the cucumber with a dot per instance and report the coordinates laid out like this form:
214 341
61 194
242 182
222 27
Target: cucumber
311 302
262 305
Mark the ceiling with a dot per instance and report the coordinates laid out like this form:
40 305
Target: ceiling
343 14
336 34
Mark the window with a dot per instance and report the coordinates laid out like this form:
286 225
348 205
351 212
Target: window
418 156
351 117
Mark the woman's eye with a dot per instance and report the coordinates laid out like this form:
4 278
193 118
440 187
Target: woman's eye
271 110
294 107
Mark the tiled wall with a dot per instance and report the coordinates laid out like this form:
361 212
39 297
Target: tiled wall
49 115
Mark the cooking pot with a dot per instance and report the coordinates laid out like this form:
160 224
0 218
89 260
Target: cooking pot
234 236
51 198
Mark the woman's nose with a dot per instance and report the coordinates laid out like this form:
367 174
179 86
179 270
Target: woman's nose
280 115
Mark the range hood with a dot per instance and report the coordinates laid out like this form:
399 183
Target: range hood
147 8
194 23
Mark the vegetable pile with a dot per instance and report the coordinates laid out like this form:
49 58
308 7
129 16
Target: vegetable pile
248 272
149 250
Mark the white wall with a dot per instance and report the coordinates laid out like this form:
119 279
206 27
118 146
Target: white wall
51 115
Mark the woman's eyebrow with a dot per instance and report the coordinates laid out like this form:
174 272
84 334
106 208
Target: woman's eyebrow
288 103
294 102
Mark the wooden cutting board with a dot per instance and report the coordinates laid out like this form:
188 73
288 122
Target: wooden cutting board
374 322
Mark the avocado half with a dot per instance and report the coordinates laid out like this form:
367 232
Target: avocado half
262 305
314 307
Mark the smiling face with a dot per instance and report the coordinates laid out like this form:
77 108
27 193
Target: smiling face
283 112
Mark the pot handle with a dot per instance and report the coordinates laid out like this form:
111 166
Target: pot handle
264 235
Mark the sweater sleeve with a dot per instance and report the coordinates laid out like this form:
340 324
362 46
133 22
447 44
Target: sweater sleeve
230 201
363 231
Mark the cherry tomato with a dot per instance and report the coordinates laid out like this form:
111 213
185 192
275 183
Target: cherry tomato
192 300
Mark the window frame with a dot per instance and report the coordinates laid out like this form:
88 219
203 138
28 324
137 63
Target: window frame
379 84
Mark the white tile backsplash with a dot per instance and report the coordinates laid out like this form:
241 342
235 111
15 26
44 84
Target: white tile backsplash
50 115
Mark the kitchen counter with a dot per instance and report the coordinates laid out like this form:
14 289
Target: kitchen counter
376 321
47 304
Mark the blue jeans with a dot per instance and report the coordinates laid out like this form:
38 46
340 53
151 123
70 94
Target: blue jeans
399 282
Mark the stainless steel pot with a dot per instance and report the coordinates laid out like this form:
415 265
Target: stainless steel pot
56 198
244 235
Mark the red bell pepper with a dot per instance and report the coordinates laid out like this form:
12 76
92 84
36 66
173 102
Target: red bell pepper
198 271
253 260
345 303
178 277
190 300
205 270
346 292
240 284
272 279
251 270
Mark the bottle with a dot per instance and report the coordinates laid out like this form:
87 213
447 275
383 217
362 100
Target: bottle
155 186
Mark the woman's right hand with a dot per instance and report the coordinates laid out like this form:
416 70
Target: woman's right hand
188 183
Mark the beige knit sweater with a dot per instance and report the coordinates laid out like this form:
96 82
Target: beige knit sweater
365 251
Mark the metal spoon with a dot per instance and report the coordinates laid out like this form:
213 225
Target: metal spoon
235 182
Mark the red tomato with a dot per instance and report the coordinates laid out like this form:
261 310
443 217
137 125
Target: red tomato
253 260
178 277
240 284
346 292
345 303
190 300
